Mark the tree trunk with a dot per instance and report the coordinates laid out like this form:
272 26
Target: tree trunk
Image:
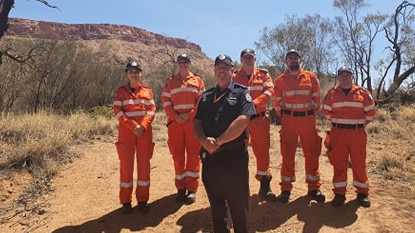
5 7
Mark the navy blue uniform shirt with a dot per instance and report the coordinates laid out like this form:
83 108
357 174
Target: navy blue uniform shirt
217 110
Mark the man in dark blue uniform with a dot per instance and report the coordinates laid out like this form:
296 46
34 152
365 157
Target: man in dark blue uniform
220 125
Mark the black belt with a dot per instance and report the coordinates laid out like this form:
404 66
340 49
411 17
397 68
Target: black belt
261 114
348 126
298 114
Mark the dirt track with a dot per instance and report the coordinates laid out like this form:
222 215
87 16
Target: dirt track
85 200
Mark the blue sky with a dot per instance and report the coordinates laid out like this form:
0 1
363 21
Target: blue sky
218 26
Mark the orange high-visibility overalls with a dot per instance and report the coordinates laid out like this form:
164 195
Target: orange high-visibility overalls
132 109
181 96
297 100
349 114
261 88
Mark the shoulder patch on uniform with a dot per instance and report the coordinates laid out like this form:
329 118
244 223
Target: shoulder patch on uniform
248 97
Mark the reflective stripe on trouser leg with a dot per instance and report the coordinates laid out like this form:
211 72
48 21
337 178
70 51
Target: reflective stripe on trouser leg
126 151
184 148
288 146
358 160
259 134
311 146
145 148
340 160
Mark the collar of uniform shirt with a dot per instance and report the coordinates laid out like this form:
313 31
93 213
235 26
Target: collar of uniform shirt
219 94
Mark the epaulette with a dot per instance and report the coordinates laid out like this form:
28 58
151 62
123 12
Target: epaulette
197 75
263 70
145 87
210 89
240 86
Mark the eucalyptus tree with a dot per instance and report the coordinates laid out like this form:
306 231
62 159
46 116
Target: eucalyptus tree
400 33
309 35
355 37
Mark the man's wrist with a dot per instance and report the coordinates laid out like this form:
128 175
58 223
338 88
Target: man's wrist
218 142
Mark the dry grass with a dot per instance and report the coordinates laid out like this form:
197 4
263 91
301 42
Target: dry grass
40 144
37 141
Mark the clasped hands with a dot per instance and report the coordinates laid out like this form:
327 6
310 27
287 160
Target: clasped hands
182 118
139 131
211 145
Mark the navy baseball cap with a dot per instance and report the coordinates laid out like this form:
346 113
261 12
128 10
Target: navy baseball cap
248 52
224 58
183 56
293 51
344 69
133 64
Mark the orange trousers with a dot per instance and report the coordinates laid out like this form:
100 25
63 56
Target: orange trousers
345 143
292 128
184 147
130 148
259 135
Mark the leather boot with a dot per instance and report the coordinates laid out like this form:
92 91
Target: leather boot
265 189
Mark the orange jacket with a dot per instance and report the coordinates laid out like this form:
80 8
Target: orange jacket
358 107
132 109
181 96
297 94
260 87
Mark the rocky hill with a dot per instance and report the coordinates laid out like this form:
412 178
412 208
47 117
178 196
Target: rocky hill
126 42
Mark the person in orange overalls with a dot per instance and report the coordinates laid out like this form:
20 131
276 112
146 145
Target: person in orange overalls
349 109
261 88
297 99
134 109
179 99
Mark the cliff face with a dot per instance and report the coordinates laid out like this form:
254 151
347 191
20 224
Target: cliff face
48 30
125 42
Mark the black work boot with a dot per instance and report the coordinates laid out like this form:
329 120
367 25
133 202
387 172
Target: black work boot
284 197
127 208
265 189
317 195
338 200
143 207
190 197
363 200
181 195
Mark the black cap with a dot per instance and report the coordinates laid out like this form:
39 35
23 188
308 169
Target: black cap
292 51
248 52
133 64
344 69
183 56
224 58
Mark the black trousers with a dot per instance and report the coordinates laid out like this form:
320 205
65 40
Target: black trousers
226 179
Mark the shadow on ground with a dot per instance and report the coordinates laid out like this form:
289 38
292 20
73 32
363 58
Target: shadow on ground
265 216
115 221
